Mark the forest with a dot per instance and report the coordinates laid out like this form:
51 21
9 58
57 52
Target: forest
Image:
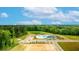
9 33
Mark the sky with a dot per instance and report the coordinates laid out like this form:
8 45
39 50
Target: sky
39 15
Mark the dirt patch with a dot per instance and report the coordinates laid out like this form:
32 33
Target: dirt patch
40 47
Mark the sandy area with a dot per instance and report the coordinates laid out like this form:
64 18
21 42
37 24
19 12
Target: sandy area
40 47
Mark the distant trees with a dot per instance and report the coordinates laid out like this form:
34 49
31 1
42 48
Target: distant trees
19 30
69 30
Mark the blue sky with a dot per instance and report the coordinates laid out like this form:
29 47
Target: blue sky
39 15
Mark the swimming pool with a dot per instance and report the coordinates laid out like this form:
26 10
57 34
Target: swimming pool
45 36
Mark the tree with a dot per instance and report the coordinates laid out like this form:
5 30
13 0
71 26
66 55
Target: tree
5 38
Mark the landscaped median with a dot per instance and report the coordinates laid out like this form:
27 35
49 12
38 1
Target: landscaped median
69 46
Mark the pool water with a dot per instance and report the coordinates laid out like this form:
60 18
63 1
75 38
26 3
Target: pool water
45 36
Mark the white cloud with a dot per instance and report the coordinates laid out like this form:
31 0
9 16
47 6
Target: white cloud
58 16
3 15
36 22
74 13
71 16
76 20
57 22
33 22
41 9
40 12
52 13
44 12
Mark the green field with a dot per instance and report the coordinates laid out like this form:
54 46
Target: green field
69 46
73 37
23 37
18 48
37 32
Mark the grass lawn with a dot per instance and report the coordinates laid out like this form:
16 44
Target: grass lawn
37 32
72 37
18 48
23 37
69 46
64 37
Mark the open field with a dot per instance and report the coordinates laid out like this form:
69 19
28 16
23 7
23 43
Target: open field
23 37
69 46
38 32
67 37
72 37
18 48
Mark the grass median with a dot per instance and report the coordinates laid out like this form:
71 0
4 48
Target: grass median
69 46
